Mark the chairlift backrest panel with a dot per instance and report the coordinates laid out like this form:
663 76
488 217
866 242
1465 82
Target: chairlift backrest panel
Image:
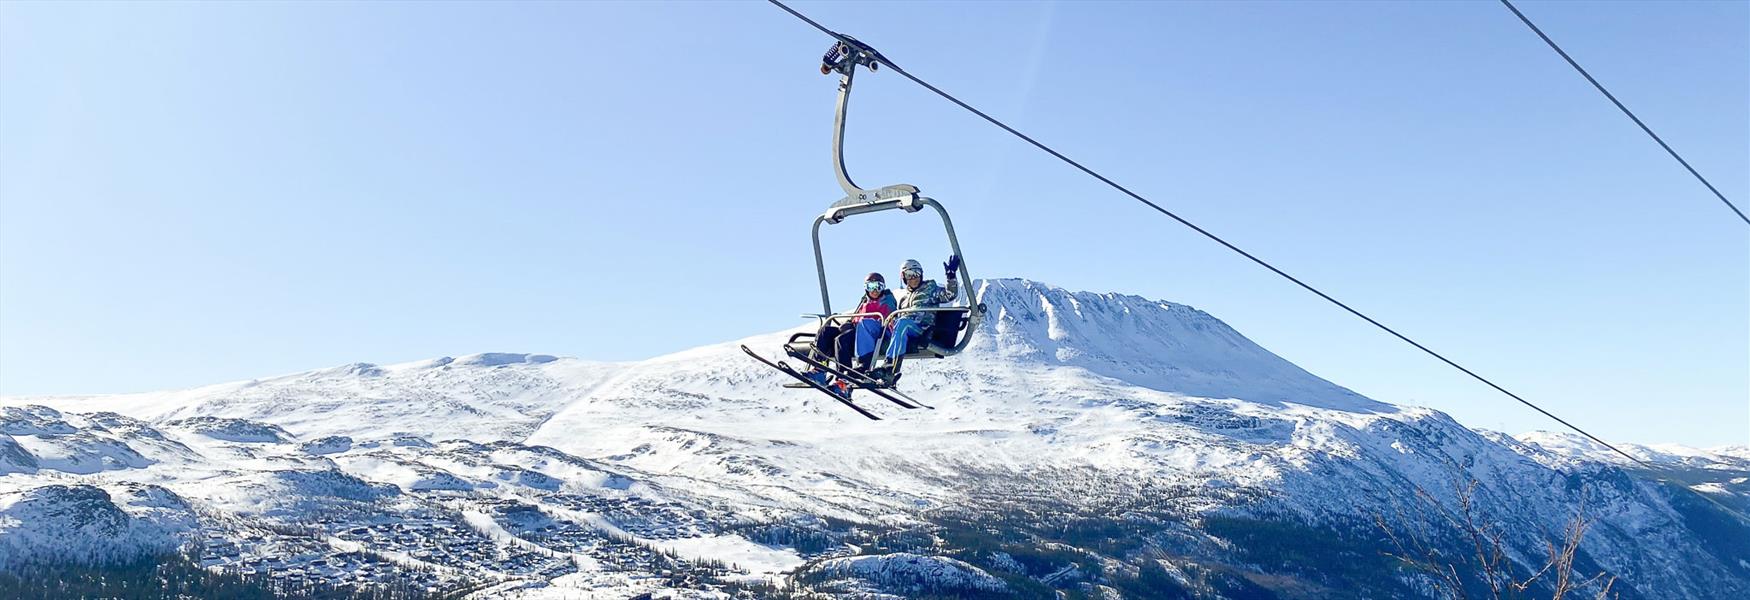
947 331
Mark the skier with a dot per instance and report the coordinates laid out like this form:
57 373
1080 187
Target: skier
879 300
856 338
915 327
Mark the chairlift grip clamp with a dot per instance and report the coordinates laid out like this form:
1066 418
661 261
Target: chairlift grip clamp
845 54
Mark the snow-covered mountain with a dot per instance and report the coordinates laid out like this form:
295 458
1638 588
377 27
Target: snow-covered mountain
1099 445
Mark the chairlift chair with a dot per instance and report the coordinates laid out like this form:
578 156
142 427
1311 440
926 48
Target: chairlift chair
953 326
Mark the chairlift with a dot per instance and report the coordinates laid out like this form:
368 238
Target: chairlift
954 324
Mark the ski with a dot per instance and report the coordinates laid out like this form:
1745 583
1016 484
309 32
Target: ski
907 398
857 380
788 370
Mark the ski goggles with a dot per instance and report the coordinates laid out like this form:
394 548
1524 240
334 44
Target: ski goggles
873 286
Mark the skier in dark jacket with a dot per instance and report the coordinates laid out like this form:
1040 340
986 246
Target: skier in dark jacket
851 342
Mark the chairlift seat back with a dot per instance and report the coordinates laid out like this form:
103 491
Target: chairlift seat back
946 332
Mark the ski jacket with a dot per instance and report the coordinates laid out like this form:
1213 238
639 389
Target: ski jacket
883 304
929 295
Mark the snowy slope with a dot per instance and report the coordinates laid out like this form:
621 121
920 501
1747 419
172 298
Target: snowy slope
486 396
1559 446
1104 409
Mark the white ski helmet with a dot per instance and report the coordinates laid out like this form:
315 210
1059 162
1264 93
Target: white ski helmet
911 266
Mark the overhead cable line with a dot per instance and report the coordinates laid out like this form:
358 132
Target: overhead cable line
1625 110
1103 179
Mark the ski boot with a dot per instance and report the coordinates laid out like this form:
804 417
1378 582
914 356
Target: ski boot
817 376
882 374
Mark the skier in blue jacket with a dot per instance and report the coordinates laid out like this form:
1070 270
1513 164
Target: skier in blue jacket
914 327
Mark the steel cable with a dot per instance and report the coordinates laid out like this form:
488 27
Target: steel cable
1625 110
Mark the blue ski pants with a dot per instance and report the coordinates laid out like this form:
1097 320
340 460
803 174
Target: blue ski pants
868 335
904 331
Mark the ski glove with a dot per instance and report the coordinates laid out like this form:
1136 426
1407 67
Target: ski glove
952 266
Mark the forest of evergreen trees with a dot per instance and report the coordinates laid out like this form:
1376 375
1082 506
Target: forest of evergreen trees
177 576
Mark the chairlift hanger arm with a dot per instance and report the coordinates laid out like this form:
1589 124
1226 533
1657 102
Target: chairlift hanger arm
843 58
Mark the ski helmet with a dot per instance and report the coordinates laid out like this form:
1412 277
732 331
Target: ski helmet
911 266
874 277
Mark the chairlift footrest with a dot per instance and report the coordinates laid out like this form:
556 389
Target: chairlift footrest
859 382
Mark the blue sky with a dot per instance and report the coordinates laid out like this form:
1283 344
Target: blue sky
203 192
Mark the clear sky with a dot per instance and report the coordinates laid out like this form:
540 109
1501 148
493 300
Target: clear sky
193 193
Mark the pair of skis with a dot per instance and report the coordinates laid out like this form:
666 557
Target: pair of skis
857 381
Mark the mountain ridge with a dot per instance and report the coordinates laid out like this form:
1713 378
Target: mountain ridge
1073 404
